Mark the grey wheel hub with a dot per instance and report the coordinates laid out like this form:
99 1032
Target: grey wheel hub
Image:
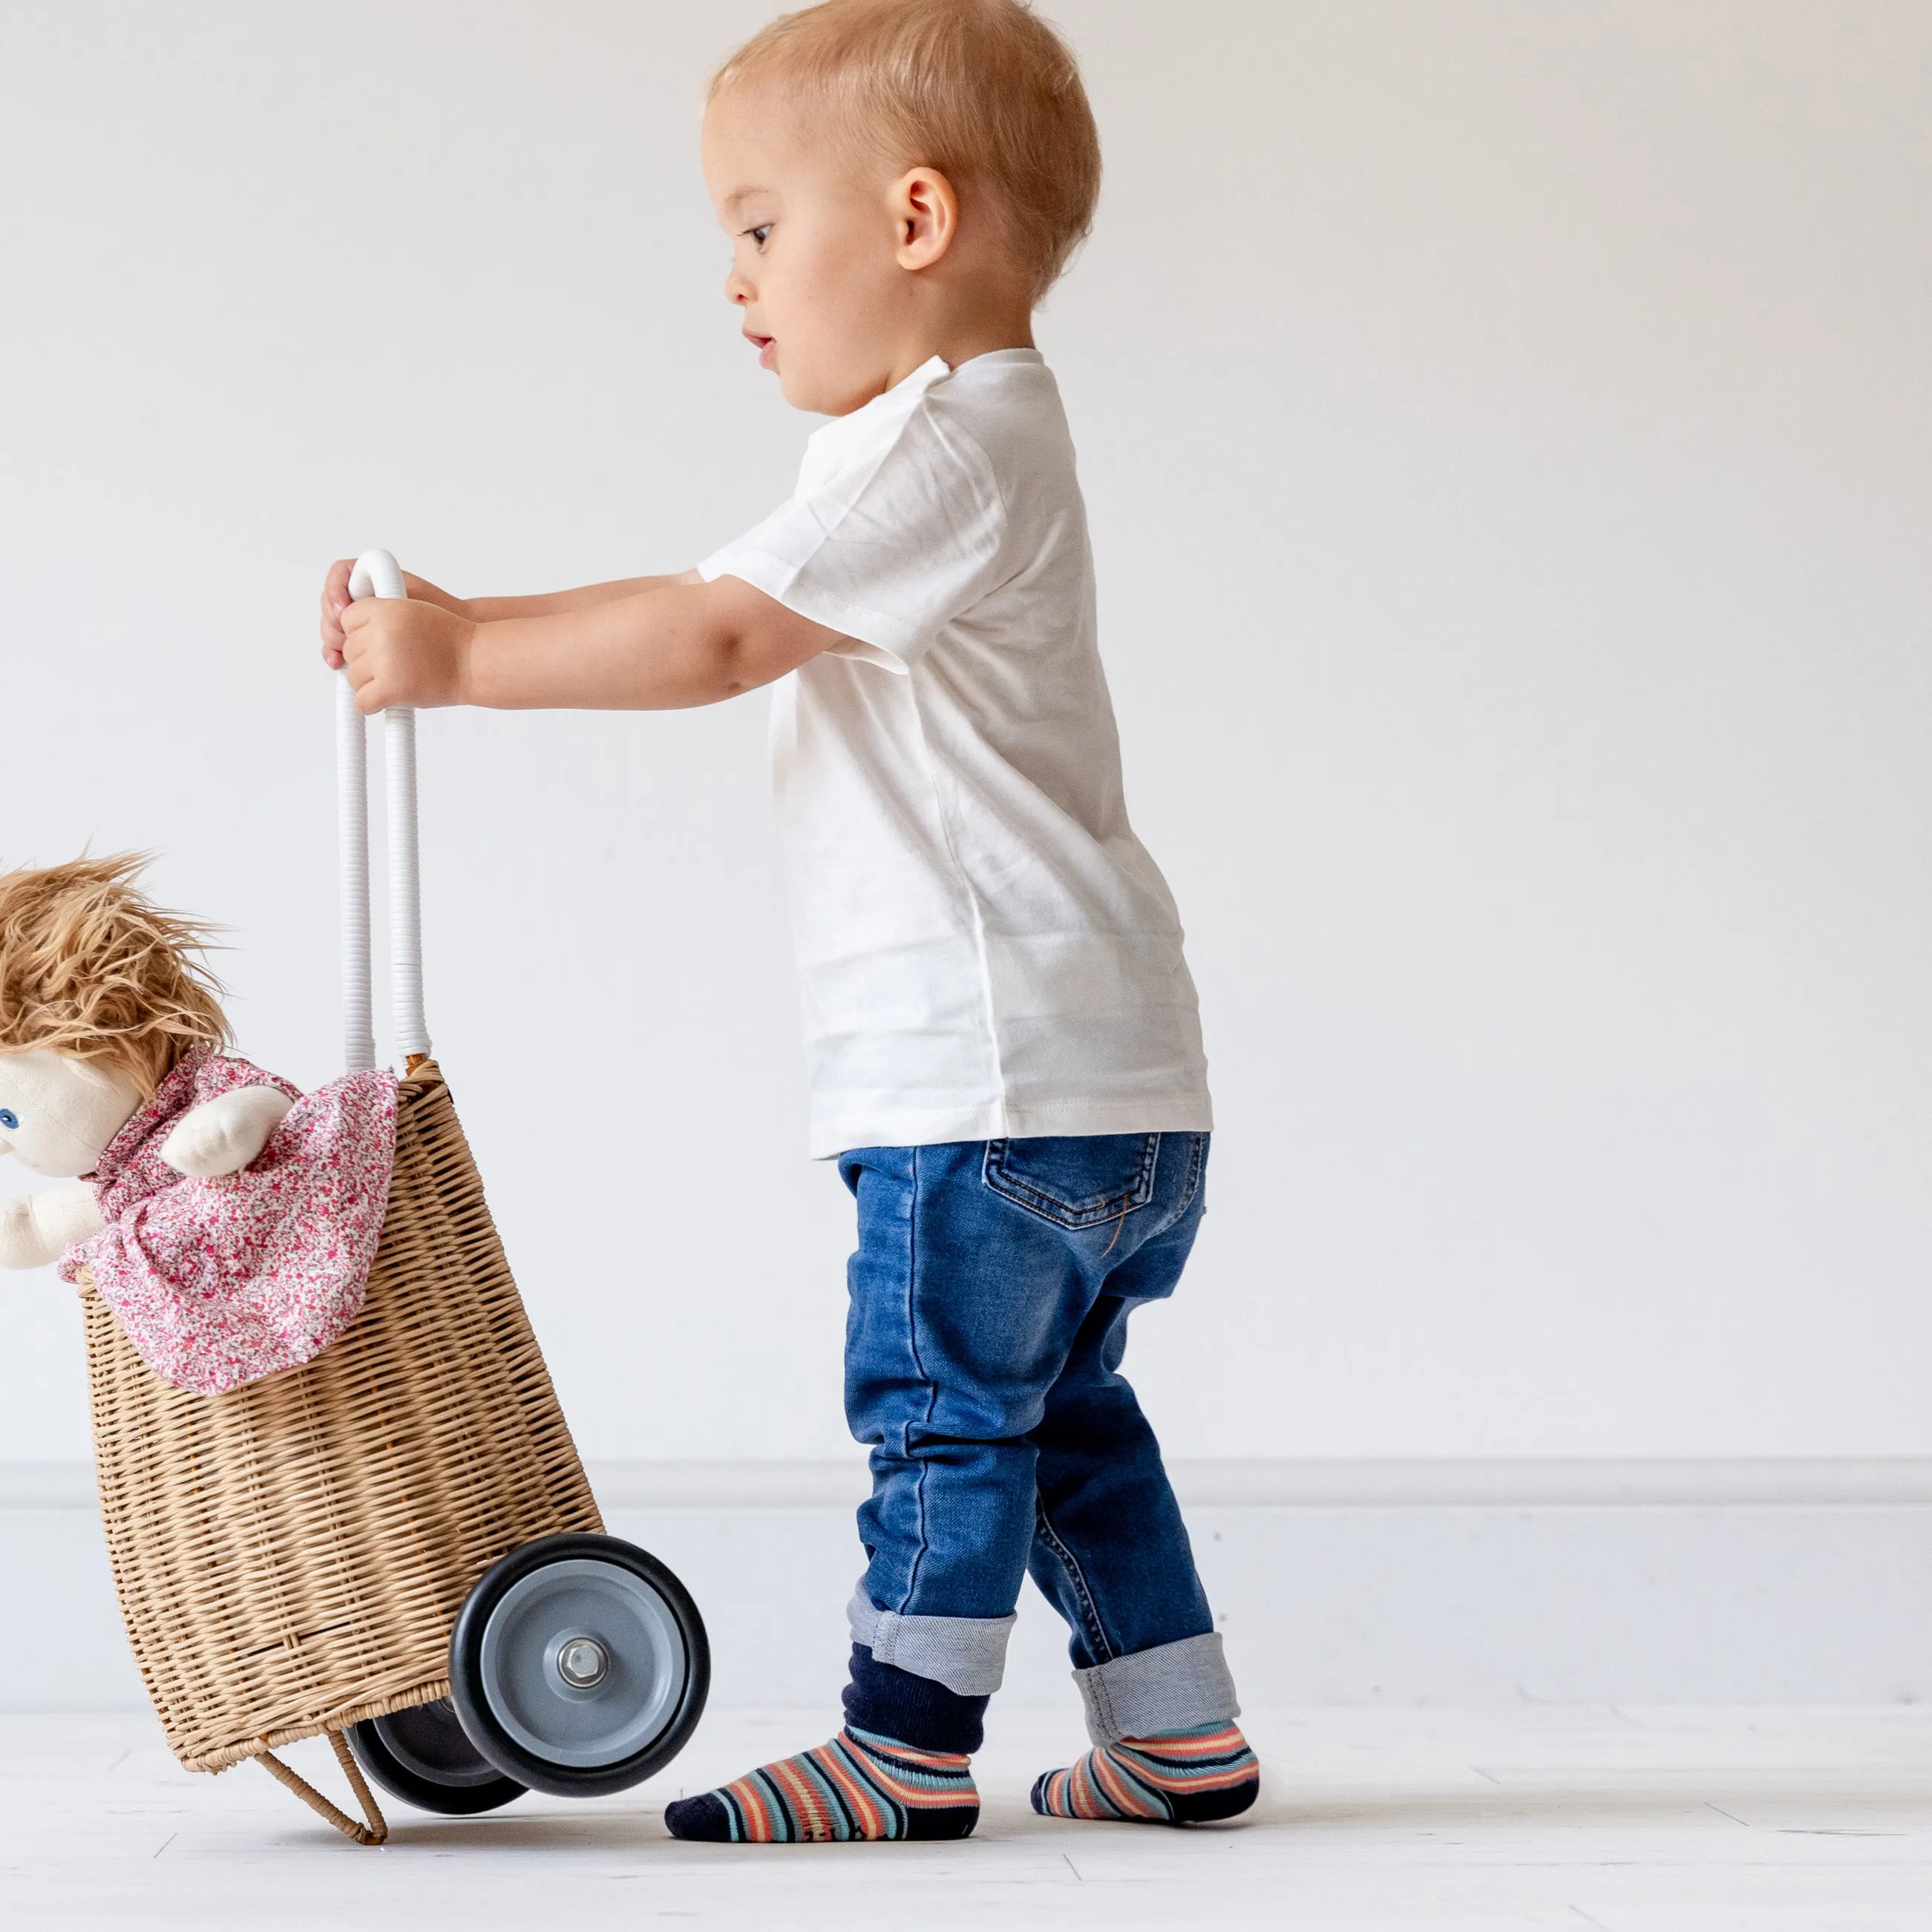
428 1740
583 1662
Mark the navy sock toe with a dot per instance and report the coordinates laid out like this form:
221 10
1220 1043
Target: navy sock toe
703 1817
1209 1808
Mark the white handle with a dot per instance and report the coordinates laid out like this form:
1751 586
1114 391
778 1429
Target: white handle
377 574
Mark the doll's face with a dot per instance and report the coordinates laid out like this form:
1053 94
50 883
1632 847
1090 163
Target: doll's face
58 1114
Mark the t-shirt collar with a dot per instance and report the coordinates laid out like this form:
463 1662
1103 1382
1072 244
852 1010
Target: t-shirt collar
833 445
908 389
895 401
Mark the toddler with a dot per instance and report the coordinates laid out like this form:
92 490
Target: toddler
1003 1048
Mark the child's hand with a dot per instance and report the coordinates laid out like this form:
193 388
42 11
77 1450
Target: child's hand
335 600
398 652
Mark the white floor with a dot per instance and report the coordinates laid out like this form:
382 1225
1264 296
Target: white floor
1653 1820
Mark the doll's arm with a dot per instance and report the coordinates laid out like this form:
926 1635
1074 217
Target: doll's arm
35 1229
223 1135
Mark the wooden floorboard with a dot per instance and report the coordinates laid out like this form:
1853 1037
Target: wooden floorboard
1650 1820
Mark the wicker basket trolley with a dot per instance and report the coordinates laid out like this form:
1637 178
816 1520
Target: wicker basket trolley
394 1545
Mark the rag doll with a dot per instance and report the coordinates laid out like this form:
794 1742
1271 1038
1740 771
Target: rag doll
228 1220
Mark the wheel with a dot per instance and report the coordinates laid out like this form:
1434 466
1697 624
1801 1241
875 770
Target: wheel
422 1755
579 1666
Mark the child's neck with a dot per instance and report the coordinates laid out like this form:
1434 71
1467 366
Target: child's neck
958 338
954 353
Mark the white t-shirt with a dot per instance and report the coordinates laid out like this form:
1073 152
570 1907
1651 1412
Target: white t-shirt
985 949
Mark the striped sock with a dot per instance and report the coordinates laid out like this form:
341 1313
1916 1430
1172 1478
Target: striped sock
859 1786
1174 1778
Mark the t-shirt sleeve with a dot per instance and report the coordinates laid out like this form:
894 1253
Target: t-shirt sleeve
888 551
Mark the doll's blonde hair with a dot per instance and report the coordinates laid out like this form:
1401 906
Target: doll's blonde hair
983 90
91 966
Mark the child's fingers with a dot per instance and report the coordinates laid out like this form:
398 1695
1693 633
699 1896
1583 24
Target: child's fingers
401 653
352 627
334 602
374 653
358 667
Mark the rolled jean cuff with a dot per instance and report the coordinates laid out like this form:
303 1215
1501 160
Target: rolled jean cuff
1174 1687
966 1655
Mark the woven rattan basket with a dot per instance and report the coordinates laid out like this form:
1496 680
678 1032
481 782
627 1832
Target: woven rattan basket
290 1556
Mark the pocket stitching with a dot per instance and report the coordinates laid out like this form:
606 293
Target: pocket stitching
1033 1200
1197 1160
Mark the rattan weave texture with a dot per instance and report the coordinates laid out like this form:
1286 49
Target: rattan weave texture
290 1556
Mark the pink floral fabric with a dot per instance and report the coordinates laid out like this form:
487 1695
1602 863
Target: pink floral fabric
221 1281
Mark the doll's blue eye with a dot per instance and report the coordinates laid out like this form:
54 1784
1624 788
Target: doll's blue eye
9 1119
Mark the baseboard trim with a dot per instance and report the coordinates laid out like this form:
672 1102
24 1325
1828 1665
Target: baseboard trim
1285 1483
1760 1582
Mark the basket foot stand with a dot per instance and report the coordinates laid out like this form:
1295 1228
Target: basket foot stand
373 1833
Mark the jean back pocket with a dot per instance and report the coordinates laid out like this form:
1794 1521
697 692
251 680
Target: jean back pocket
1075 1181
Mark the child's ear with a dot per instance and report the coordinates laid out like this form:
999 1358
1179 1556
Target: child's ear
927 212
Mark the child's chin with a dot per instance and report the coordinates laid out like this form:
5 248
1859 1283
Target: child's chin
820 398
800 392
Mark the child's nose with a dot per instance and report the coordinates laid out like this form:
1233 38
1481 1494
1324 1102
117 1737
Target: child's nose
737 288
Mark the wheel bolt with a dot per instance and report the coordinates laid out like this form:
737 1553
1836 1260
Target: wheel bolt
583 1662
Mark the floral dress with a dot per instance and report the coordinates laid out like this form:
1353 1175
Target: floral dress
219 1281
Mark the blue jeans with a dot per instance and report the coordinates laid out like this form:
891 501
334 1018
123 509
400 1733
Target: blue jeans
990 1295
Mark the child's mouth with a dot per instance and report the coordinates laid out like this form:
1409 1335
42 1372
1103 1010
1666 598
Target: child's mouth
766 346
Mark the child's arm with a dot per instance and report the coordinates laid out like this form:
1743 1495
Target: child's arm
335 600
678 642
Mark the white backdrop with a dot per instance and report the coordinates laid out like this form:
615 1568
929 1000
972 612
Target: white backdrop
1508 430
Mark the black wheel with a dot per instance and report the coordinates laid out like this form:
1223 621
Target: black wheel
579 1666
422 1756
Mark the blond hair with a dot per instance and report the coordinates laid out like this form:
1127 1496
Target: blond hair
90 966
983 90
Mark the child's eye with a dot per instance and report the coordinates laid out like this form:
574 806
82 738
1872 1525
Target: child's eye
759 234
9 1119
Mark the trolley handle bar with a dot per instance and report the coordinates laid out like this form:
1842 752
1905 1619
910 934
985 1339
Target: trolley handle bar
377 574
